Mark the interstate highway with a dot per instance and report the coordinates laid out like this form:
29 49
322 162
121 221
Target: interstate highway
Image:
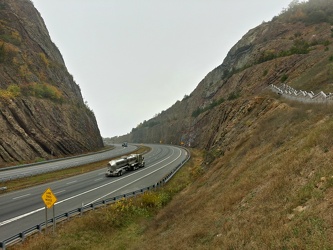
18 172
23 209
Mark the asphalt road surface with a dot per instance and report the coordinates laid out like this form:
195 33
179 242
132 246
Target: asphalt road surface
23 209
19 172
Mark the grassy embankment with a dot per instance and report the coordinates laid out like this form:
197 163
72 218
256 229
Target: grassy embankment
272 190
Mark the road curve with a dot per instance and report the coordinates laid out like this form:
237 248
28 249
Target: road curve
23 209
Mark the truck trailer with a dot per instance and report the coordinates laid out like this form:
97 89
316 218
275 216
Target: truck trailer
126 163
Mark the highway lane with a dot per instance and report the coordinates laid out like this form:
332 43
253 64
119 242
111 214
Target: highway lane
14 172
23 209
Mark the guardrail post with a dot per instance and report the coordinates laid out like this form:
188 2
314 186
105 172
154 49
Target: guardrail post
22 236
81 209
3 245
39 227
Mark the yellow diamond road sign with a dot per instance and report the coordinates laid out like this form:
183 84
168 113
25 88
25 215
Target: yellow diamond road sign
49 198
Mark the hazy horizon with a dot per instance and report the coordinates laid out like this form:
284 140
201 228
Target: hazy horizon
132 59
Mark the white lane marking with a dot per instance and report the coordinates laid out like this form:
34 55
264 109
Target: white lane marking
88 191
101 173
18 197
137 179
70 182
98 179
19 217
60 192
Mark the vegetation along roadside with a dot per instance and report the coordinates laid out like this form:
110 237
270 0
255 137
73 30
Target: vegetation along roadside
120 225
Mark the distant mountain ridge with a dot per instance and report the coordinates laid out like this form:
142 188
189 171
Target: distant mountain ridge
261 174
265 180
294 48
42 112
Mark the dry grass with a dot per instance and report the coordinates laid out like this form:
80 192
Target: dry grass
117 226
275 191
268 194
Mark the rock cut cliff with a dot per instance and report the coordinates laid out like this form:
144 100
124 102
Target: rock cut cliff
42 112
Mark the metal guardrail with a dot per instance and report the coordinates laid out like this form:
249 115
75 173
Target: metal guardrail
79 211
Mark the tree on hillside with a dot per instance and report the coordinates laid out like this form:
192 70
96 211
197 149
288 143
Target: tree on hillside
293 4
310 12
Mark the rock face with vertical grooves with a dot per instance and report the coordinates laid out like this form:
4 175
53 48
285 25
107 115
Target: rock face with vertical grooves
42 112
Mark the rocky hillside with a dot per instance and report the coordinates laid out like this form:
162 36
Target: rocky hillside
42 112
295 47
264 179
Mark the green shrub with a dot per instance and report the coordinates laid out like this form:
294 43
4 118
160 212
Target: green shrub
14 89
44 59
186 97
12 37
199 110
43 90
234 95
284 78
310 12
267 56
7 52
317 16
11 92
300 47
196 112
326 43
2 53
150 124
155 199
265 72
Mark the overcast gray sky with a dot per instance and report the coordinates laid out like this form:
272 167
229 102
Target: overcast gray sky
135 58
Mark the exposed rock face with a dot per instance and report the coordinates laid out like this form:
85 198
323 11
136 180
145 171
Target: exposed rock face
294 48
42 113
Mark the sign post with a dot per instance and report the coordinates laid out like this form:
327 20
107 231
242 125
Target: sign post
49 200
45 219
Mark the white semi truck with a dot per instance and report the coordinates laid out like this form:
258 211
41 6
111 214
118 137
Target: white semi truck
126 163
